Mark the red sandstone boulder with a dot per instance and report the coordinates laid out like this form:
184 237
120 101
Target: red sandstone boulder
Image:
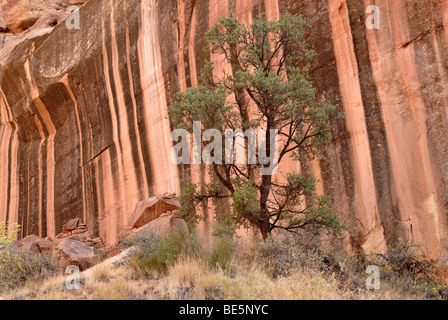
152 208
79 237
74 227
76 253
97 240
77 231
111 261
34 244
166 224
71 225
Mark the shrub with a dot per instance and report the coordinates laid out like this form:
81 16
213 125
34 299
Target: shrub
403 259
145 239
283 255
191 278
156 255
221 255
17 268
8 234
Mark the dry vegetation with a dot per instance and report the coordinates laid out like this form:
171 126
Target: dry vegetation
283 267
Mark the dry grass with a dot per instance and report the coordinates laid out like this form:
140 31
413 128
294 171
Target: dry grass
184 280
191 279
118 289
102 274
104 284
280 268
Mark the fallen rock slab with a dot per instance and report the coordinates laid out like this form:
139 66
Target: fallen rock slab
70 225
29 244
152 208
111 262
76 253
168 223
78 237
34 244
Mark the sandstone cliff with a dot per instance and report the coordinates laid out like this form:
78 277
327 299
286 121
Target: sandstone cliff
84 132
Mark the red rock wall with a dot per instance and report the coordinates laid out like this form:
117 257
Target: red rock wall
84 131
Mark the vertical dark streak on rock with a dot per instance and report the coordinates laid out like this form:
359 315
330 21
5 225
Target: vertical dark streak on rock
189 9
232 6
93 222
335 161
432 85
43 227
8 200
168 21
114 107
168 16
202 51
32 217
24 196
134 38
124 77
258 7
374 120
106 114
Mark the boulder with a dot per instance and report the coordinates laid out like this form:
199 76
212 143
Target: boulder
30 247
74 230
28 244
76 253
111 262
90 243
97 240
166 224
62 236
46 245
71 225
34 244
78 237
79 230
112 253
152 208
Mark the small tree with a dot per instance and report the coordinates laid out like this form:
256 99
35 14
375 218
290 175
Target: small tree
268 88
8 235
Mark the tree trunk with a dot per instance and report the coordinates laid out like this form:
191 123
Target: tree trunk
265 229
